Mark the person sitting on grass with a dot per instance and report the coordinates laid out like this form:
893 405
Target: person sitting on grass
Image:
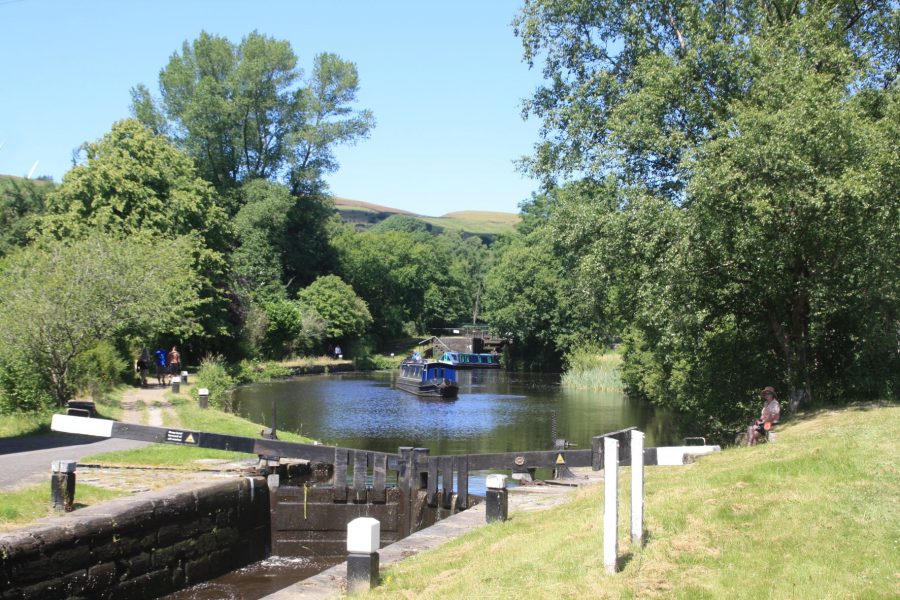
771 411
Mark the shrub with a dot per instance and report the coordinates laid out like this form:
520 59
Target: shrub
23 388
213 375
98 369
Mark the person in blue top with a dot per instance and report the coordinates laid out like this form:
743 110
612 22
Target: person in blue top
160 356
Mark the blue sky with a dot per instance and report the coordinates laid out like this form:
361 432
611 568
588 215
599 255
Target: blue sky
445 81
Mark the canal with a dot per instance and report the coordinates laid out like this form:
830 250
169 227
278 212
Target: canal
496 411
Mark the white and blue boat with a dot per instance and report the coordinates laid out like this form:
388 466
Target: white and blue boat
470 360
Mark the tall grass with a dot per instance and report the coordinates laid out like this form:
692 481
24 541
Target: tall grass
593 369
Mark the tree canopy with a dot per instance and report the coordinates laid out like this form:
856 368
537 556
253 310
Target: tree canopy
58 299
245 111
721 172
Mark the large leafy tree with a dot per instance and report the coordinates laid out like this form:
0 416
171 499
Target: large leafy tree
245 111
633 88
748 143
58 299
345 314
133 182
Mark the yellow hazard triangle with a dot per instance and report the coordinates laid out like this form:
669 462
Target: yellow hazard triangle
560 460
189 439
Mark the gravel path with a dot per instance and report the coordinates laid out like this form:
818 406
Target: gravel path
148 406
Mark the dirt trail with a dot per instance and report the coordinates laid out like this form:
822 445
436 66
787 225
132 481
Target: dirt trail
148 406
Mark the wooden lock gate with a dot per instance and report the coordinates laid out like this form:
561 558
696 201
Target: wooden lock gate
406 491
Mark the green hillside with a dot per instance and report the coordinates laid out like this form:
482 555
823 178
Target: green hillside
485 224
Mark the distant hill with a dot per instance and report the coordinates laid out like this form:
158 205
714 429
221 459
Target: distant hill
485 224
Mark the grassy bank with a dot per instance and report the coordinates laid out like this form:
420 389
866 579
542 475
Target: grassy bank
191 417
33 502
591 370
814 515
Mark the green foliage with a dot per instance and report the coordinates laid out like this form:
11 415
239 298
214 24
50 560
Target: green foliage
405 223
214 376
98 368
58 300
23 388
345 314
134 183
21 205
591 368
283 326
737 221
243 111
261 230
253 370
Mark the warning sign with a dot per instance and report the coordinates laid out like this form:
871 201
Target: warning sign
174 436
560 460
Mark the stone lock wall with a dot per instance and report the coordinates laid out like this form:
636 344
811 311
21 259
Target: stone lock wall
139 547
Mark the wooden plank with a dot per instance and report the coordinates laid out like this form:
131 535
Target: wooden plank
525 460
379 477
360 471
447 481
339 493
462 481
432 481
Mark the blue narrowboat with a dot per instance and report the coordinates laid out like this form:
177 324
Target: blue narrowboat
469 360
434 379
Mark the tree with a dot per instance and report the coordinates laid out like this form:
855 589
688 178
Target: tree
133 180
388 271
633 88
345 314
59 299
261 230
244 111
733 168
21 205
135 183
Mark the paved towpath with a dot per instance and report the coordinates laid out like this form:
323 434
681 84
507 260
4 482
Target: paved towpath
26 461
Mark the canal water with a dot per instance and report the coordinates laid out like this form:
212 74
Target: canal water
496 411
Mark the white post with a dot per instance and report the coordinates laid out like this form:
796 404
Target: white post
637 487
610 502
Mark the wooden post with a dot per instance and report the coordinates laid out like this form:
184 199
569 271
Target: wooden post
637 487
610 503
62 485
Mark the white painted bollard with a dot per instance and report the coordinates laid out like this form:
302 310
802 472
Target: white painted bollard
610 502
496 498
184 375
637 487
363 539
203 394
176 384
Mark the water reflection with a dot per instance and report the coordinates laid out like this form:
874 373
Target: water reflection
495 412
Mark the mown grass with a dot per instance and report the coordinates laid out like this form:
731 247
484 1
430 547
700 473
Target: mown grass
33 502
814 515
25 423
593 370
191 417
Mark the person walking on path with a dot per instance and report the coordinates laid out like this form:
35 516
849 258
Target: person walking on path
142 366
160 362
174 359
